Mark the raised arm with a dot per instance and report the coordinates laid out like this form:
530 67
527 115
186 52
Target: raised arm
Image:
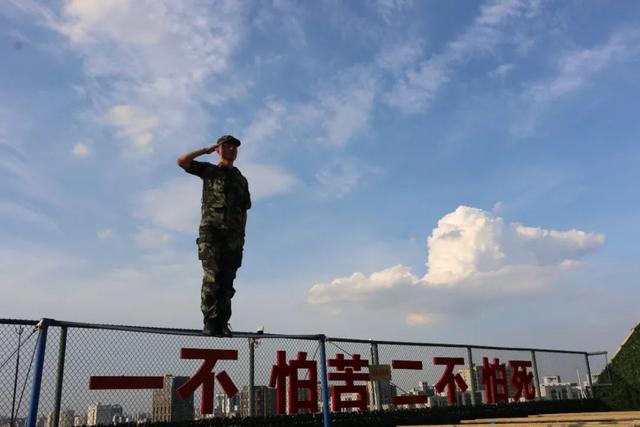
184 161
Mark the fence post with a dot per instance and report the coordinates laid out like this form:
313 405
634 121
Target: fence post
252 349
472 376
376 384
60 377
536 377
19 331
326 415
586 358
41 345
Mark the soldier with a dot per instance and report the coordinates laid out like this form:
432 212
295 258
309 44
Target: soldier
225 201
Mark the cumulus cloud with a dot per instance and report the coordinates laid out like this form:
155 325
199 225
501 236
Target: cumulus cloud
470 241
473 255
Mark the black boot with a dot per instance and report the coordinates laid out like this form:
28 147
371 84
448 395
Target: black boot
212 328
226 331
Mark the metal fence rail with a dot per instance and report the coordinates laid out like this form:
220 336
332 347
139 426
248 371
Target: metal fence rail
64 374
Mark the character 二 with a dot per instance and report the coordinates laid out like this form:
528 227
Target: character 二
225 201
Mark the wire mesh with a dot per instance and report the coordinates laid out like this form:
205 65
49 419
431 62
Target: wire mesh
128 351
408 382
499 357
598 363
562 375
17 347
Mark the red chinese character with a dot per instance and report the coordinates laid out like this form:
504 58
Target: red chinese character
493 377
348 376
125 383
308 387
448 379
522 380
205 376
408 399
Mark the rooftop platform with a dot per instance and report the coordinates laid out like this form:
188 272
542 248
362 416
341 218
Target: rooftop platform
591 419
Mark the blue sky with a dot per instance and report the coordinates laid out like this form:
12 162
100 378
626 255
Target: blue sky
430 171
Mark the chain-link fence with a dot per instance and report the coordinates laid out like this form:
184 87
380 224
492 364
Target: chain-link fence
63 374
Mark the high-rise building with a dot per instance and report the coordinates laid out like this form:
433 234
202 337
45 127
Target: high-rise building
552 388
80 420
66 418
264 401
387 392
98 414
224 406
142 418
476 380
167 405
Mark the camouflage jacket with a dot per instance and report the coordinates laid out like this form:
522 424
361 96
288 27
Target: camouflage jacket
225 196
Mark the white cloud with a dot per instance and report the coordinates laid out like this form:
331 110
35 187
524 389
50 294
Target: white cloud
358 287
15 212
135 125
502 70
156 59
174 205
151 238
397 58
106 234
578 67
576 70
338 178
267 180
470 241
473 256
80 150
418 319
346 111
419 85
59 285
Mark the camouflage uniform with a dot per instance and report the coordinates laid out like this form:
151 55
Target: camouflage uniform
225 200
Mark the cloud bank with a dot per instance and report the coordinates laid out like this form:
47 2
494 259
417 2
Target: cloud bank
474 256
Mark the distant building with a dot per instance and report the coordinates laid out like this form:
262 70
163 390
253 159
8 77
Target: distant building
438 401
66 418
387 393
142 418
80 420
98 414
553 389
476 380
5 421
167 405
224 406
264 401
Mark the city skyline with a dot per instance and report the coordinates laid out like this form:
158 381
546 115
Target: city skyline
420 170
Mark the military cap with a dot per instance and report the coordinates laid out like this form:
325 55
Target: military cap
228 138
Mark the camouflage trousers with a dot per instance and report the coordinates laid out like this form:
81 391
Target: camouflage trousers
221 254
